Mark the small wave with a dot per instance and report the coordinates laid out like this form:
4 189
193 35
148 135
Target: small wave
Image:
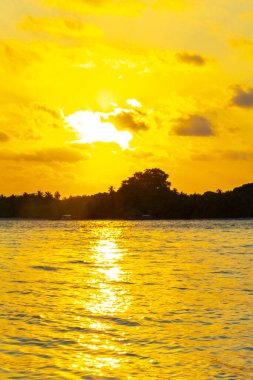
172 348
100 378
223 272
80 262
19 292
237 368
23 341
133 355
118 321
45 267
121 282
247 290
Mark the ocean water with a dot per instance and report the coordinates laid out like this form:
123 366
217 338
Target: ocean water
126 300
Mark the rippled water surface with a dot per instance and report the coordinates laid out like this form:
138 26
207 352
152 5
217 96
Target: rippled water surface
126 300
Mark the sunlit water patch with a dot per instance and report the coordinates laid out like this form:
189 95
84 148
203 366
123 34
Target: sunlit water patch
126 300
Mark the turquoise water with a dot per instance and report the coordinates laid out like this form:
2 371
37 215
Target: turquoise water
126 300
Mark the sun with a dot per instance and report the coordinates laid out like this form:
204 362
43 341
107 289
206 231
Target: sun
91 128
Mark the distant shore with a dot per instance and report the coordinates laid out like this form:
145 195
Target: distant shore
144 196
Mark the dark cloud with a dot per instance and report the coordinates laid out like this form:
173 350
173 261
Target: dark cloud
45 155
193 125
4 137
243 98
190 58
129 120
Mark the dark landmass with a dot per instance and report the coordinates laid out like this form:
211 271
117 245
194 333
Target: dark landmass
145 195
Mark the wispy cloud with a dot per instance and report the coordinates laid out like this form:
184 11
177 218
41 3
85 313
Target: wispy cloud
16 55
228 155
47 155
172 5
66 27
52 112
123 7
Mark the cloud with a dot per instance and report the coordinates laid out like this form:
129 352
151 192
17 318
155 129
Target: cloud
243 98
129 120
66 27
218 155
238 155
115 7
193 125
16 55
243 45
4 137
138 64
86 65
172 5
191 58
133 118
202 157
48 155
143 155
96 127
52 112
134 103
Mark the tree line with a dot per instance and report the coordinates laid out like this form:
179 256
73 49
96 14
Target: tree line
145 195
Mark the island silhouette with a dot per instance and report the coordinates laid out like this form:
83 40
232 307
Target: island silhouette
145 195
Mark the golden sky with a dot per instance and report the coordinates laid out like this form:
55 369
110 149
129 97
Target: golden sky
94 90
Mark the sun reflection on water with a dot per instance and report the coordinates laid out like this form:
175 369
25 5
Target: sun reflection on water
107 301
107 258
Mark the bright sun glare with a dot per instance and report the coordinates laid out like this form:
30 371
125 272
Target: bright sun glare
91 129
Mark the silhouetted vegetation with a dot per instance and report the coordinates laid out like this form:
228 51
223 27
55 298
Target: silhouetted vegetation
145 195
